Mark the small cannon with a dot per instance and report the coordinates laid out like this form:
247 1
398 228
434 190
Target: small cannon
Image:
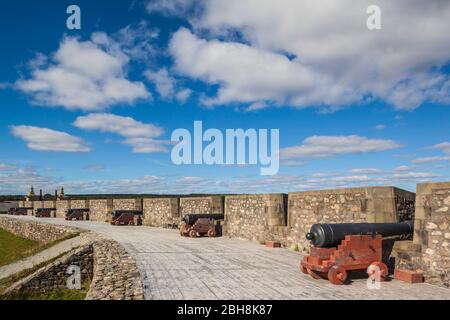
77 214
126 218
19 211
338 248
195 225
44 212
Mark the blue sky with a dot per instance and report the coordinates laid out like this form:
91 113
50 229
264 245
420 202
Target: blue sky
93 109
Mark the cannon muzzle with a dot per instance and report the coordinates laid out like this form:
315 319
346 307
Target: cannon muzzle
331 235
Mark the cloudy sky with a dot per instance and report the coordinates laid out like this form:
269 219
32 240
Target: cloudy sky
93 109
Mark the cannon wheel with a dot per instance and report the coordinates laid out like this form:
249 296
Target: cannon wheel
378 266
337 275
183 230
303 269
193 234
211 233
314 274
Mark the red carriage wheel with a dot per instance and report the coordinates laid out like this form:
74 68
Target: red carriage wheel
211 233
337 275
193 234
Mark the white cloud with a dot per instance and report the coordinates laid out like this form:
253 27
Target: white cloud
366 171
87 75
431 159
380 127
166 85
189 180
302 54
141 136
6 167
404 168
183 95
255 106
179 8
43 139
444 146
327 146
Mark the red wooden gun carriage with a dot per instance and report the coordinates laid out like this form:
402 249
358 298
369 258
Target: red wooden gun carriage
77 214
126 218
340 248
44 212
197 225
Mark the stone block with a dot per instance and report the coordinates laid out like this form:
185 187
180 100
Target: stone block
408 276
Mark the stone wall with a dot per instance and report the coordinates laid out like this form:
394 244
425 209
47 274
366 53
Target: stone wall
27 204
116 275
199 205
55 276
161 212
100 210
127 204
430 250
61 207
37 231
48 204
79 204
255 217
37 205
352 205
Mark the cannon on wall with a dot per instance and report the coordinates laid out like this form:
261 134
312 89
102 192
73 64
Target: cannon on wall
77 214
197 225
44 212
126 218
339 248
19 211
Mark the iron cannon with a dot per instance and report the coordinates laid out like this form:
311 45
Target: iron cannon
330 235
339 248
77 214
126 217
194 225
192 218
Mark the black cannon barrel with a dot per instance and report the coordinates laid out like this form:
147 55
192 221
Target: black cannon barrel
190 219
331 235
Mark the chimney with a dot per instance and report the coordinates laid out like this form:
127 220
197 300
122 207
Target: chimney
40 194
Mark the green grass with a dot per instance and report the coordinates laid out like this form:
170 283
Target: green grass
57 294
14 248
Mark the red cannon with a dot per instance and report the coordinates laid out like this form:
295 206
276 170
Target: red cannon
77 214
19 211
44 212
126 218
197 225
340 248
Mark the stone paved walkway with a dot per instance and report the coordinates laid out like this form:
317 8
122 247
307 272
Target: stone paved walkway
41 257
173 267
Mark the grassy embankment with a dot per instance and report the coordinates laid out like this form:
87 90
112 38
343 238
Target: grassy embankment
14 248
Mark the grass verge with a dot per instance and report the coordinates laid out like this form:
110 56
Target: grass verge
14 248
